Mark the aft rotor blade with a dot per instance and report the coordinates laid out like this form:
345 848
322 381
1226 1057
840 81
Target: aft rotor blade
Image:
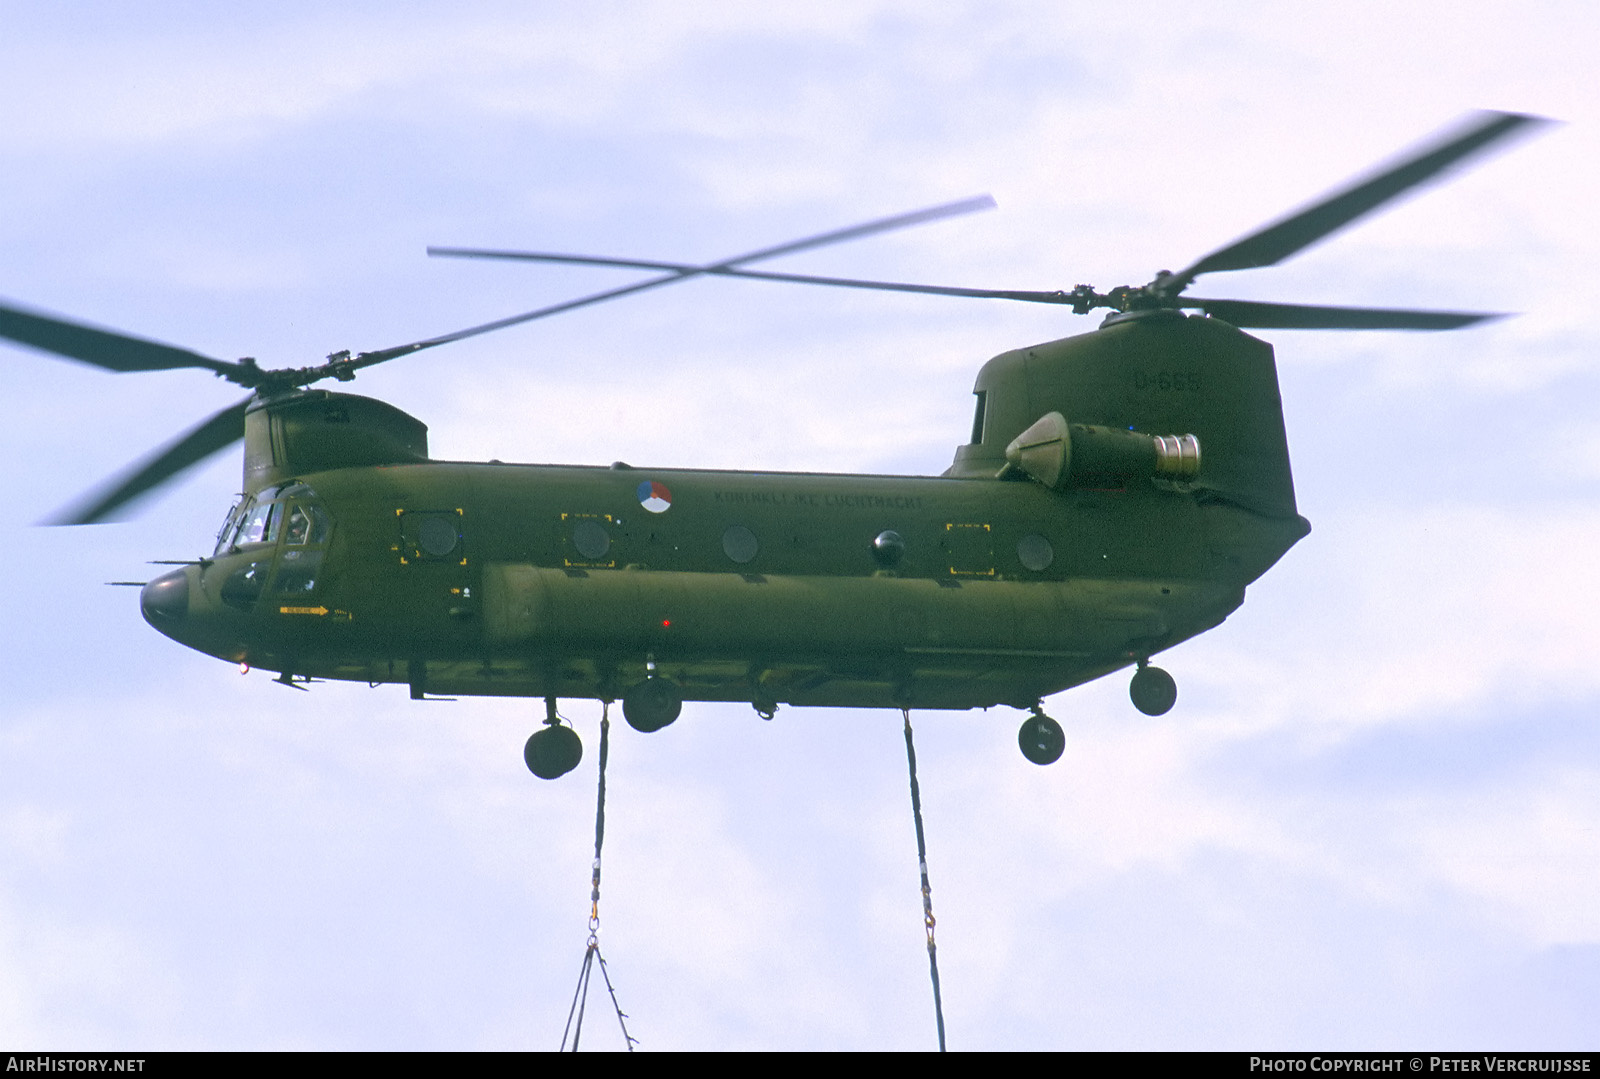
758 275
1250 314
216 433
854 232
110 349
1298 231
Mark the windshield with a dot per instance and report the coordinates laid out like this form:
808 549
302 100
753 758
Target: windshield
291 509
259 525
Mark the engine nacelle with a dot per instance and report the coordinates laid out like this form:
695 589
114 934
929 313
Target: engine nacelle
1060 455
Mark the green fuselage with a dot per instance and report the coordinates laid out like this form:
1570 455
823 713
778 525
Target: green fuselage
559 581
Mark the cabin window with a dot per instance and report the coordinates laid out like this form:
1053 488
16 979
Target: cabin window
740 544
431 536
977 415
1035 552
437 536
587 540
591 539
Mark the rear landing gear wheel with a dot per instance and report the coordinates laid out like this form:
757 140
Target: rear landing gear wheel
651 704
1041 738
1153 691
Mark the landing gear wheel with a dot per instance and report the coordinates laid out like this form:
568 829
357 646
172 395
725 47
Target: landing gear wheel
553 751
651 704
1153 691
1041 739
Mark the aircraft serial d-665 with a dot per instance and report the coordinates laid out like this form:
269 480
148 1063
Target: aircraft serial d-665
1119 491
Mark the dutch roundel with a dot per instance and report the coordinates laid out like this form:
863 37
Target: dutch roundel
655 497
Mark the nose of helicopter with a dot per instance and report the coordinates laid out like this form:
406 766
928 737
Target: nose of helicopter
165 600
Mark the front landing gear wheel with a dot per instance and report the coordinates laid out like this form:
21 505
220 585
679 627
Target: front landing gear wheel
1041 739
553 751
1153 691
651 704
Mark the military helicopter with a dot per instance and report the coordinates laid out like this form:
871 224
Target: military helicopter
1119 491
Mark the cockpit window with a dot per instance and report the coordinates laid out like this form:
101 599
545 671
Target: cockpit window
229 527
308 524
260 525
305 529
291 509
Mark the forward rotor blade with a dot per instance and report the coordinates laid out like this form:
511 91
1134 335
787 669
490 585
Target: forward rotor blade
854 232
109 349
216 433
758 275
1278 241
1250 314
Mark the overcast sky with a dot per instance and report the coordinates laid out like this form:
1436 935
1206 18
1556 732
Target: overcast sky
1373 818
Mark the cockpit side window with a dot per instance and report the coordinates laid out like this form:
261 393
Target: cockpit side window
307 524
299 527
229 527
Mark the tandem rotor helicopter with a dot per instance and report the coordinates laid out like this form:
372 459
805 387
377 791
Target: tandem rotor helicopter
1118 492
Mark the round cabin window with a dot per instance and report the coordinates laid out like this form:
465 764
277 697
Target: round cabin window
740 544
591 539
437 536
1035 552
